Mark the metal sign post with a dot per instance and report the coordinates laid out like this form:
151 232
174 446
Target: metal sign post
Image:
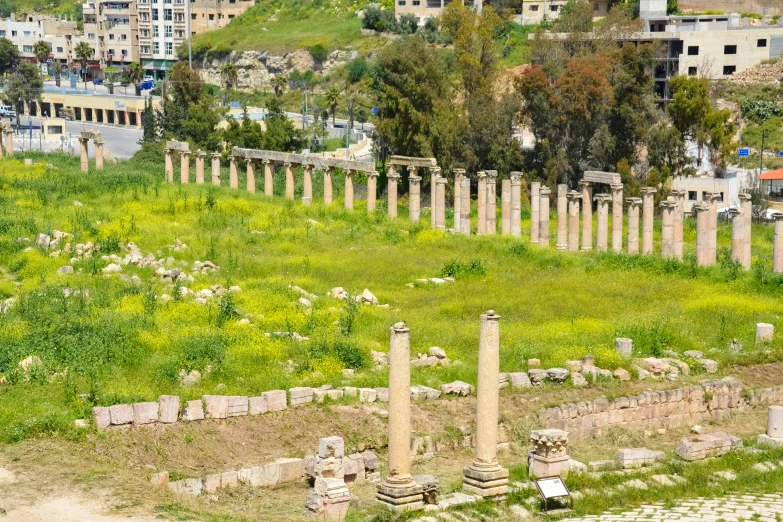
552 488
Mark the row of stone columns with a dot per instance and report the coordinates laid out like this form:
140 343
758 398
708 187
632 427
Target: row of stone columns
83 156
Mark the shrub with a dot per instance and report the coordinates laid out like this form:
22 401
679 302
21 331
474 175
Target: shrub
356 68
319 53
455 268
408 24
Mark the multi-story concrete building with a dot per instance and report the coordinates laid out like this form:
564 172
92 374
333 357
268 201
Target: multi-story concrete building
23 34
112 29
206 15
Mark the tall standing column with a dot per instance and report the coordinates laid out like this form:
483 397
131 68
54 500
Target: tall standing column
414 197
505 207
573 220
399 491
307 193
562 217
481 200
712 238
85 162
233 175
169 164
328 195
464 210
679 220
492 202
372 189
289 180
602 225
777 245
535 209
747 216
434 175
648 200
737 239
391 192
458 175
9 143
251 175
543 216
633 224
184 167
587 214
269 180
199 167
485 476
349 174
440 203
668 211
516 204
216 168
702 212
99 154
617 218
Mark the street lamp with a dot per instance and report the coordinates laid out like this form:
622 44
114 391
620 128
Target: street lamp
764 135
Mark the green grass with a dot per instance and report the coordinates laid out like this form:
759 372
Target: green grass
117 346
519 46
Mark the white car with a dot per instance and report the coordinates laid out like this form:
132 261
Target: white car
7 112
149 78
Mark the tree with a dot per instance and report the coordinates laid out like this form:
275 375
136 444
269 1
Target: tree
57 69
186 84
24 86
361 117
230 75
280 132
356 68
332 99
149 130
201 124
666 150
41 52
136 75
83 53
6 8
319 53
9 56
279 84
111 78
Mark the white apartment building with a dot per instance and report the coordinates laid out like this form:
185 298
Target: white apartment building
23 34
162 28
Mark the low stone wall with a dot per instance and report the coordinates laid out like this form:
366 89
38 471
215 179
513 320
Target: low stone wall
685 406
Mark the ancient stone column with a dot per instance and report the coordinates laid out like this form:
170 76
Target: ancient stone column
587 214
251 175
9 143
464 211
391 192
307 193
458 175
516 204
679 220
562 217
328 195
372 190
482 203
505 207
99 154
535 209
434 175
602 232
764 332
349 174
777 245
747 216
633 224
233 175
269 180
573 220
550 458
617 218
492 205
85 162
216 168
712 201
485 476
668 211
169 164
289 180
702 212
199 167
774 435
440 203
399 491
184 167
543 216
737 232
414 198
648 200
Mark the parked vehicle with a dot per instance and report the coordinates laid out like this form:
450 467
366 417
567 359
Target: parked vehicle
97 81
7 112
145 85
149 78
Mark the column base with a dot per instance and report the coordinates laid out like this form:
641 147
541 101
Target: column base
491 483
400 497
766 440
549 466
307 201
561 247
586 248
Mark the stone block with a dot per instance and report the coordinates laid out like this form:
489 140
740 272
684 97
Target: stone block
194 411
212 483
533 364
367 395
766 440
160 479
265 476
229 479
424 392
623 346
300 395
357 462
709 445
459 388
764 332
257 405
331 447
121 414
578 380
168 406
537 377
557 375
276 400
145 413
622 374
291 470
237 406
338 394
102 417
519 380
216 406
331 467
708 365
245 476
191 487
350 391
382 394
638 457
370 461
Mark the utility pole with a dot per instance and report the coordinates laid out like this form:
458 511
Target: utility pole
349 126
190 36
764 135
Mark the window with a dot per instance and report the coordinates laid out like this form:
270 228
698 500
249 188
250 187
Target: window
192 16
720 196
691 71
91 36
212 17
111 36
59 49
169 48
2 32
124 53
167 14
155 31
167 32
180 33
145 49
762 42
554 8
595 7
27 48
729 49
729 69
155 15
13 33
534 8
156 47
54 129
231 17
692 195
693 50
145 33
111 52
123 37
27 34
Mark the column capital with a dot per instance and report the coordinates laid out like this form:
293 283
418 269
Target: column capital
700 207
616 186
585 184
602 198
516 178
370 173
413 171
490 316
393 177
633 201
252 161
435 171
678 193
349 173
574 195
481 175
99 143
400 328
414 179
233 158
668 204
459 172
182 153
82 139
745 197
492 175
735 212
777 216
712 196
545 191
288 164
441 181
649 190
266 161
216 154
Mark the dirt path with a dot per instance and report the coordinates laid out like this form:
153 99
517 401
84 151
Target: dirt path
65 509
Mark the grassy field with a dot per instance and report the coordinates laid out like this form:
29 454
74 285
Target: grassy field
117 343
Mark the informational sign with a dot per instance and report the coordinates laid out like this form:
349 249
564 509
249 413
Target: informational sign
743 153
780 154
551 488
609 178
119 105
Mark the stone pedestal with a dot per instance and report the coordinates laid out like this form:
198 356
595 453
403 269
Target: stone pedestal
679 219
99 154
307 189
774 435
712 238
747 214
200 167
85 162
551 453
602 232
399 491
414 198
648 201
434 176
543 216
328 195
633 224
440 203
391 192
349 174
233 176
617 218
737 231
623 346
516 204
535 210
505 207
184 171
587 214
269 180
562 217
668 210
702 213
251 175
289 180
481 201
9 143
764 332
372 190
458 175
573 220
216 169
492 206
464 218
777 245
485 476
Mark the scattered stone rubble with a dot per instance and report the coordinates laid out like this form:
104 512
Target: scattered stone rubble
435 357
709 445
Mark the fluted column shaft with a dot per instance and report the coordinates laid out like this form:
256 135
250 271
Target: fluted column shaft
617 218
573 220
648 201
562 217
372 190
516 204
505 207
492 205
535 209
633 224
482 203
543 216
464 219
587 214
